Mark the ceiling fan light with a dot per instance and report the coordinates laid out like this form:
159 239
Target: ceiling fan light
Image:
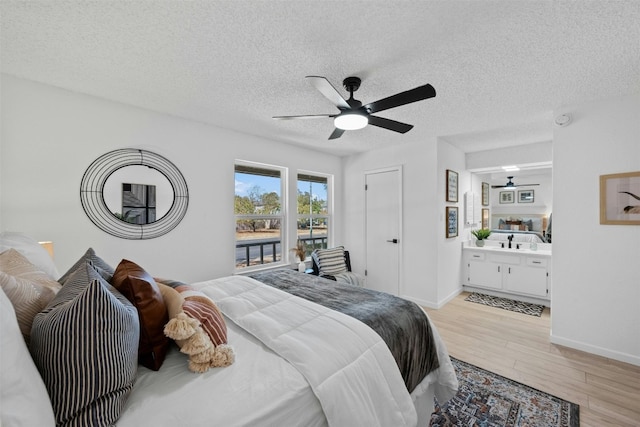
350 121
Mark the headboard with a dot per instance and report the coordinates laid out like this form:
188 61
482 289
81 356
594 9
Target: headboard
521 222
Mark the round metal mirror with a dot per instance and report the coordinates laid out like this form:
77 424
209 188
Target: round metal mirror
134 194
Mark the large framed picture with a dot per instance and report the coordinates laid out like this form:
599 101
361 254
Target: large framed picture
620 198
452 186
485 194
452 221
485 218
506 197
525 196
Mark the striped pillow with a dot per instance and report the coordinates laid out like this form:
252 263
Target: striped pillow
85 345
28 288
105 270
331 261
199 306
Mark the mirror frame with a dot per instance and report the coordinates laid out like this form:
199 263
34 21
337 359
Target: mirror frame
92 198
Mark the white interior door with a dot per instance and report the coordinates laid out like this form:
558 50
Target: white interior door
383 213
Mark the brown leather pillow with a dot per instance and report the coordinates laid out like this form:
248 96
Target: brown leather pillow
143 292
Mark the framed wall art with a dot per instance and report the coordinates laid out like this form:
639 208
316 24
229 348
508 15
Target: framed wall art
452 186
485 218
620 198
452 221
525 196
485 194
506 197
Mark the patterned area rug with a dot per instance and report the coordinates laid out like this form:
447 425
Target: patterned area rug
486 399
507 304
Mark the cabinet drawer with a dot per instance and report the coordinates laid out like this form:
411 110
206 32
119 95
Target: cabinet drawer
537 262
476 256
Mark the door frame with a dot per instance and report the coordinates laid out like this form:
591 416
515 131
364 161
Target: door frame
399 170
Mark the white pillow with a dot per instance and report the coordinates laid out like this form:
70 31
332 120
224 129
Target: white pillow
31 249
23 397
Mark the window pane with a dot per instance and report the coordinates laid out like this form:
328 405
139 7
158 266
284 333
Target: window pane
312 195
258 215
313 211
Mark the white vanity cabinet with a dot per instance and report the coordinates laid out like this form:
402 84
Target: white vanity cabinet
508 272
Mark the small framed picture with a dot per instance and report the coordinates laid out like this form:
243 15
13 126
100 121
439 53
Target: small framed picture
452 186
620 198
485 194
452 221
506 197
485 218
525 196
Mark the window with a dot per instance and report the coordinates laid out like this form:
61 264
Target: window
313 211
259 214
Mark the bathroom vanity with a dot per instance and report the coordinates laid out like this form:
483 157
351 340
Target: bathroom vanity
522 274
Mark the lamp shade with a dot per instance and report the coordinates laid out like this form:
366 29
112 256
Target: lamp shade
350 121
48 246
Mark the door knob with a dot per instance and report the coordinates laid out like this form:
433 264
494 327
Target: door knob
393 241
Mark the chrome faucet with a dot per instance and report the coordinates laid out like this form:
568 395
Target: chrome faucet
510 237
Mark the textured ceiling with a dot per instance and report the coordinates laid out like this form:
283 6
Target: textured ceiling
499 67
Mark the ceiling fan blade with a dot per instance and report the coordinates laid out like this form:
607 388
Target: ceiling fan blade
337 133
330 92
514 186
390 124
308 116
402 98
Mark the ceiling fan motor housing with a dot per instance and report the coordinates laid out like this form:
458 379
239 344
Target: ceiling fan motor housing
352 84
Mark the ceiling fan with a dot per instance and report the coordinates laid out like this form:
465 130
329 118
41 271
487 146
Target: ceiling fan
353 115
510 184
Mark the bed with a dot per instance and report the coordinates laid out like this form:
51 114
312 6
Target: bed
530 228
297 361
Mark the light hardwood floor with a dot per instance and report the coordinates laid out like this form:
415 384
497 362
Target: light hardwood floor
517 346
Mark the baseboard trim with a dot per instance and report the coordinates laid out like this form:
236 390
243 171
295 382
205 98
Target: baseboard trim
436 305
600 351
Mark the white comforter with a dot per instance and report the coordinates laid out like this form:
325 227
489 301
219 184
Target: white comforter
360 383
361 387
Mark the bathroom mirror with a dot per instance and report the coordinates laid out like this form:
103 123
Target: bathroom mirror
134 194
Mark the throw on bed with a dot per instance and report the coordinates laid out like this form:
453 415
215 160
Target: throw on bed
402 324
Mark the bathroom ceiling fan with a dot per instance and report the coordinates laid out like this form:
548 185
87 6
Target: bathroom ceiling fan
353 115
511 184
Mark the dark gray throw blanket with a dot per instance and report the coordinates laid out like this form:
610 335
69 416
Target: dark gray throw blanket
400 323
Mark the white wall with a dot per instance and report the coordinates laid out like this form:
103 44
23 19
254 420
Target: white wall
50 136
449 278
430 266
595 303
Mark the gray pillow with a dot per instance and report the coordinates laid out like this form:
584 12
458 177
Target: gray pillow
331 261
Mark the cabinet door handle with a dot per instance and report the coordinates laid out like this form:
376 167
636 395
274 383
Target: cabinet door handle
536 262
498 269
